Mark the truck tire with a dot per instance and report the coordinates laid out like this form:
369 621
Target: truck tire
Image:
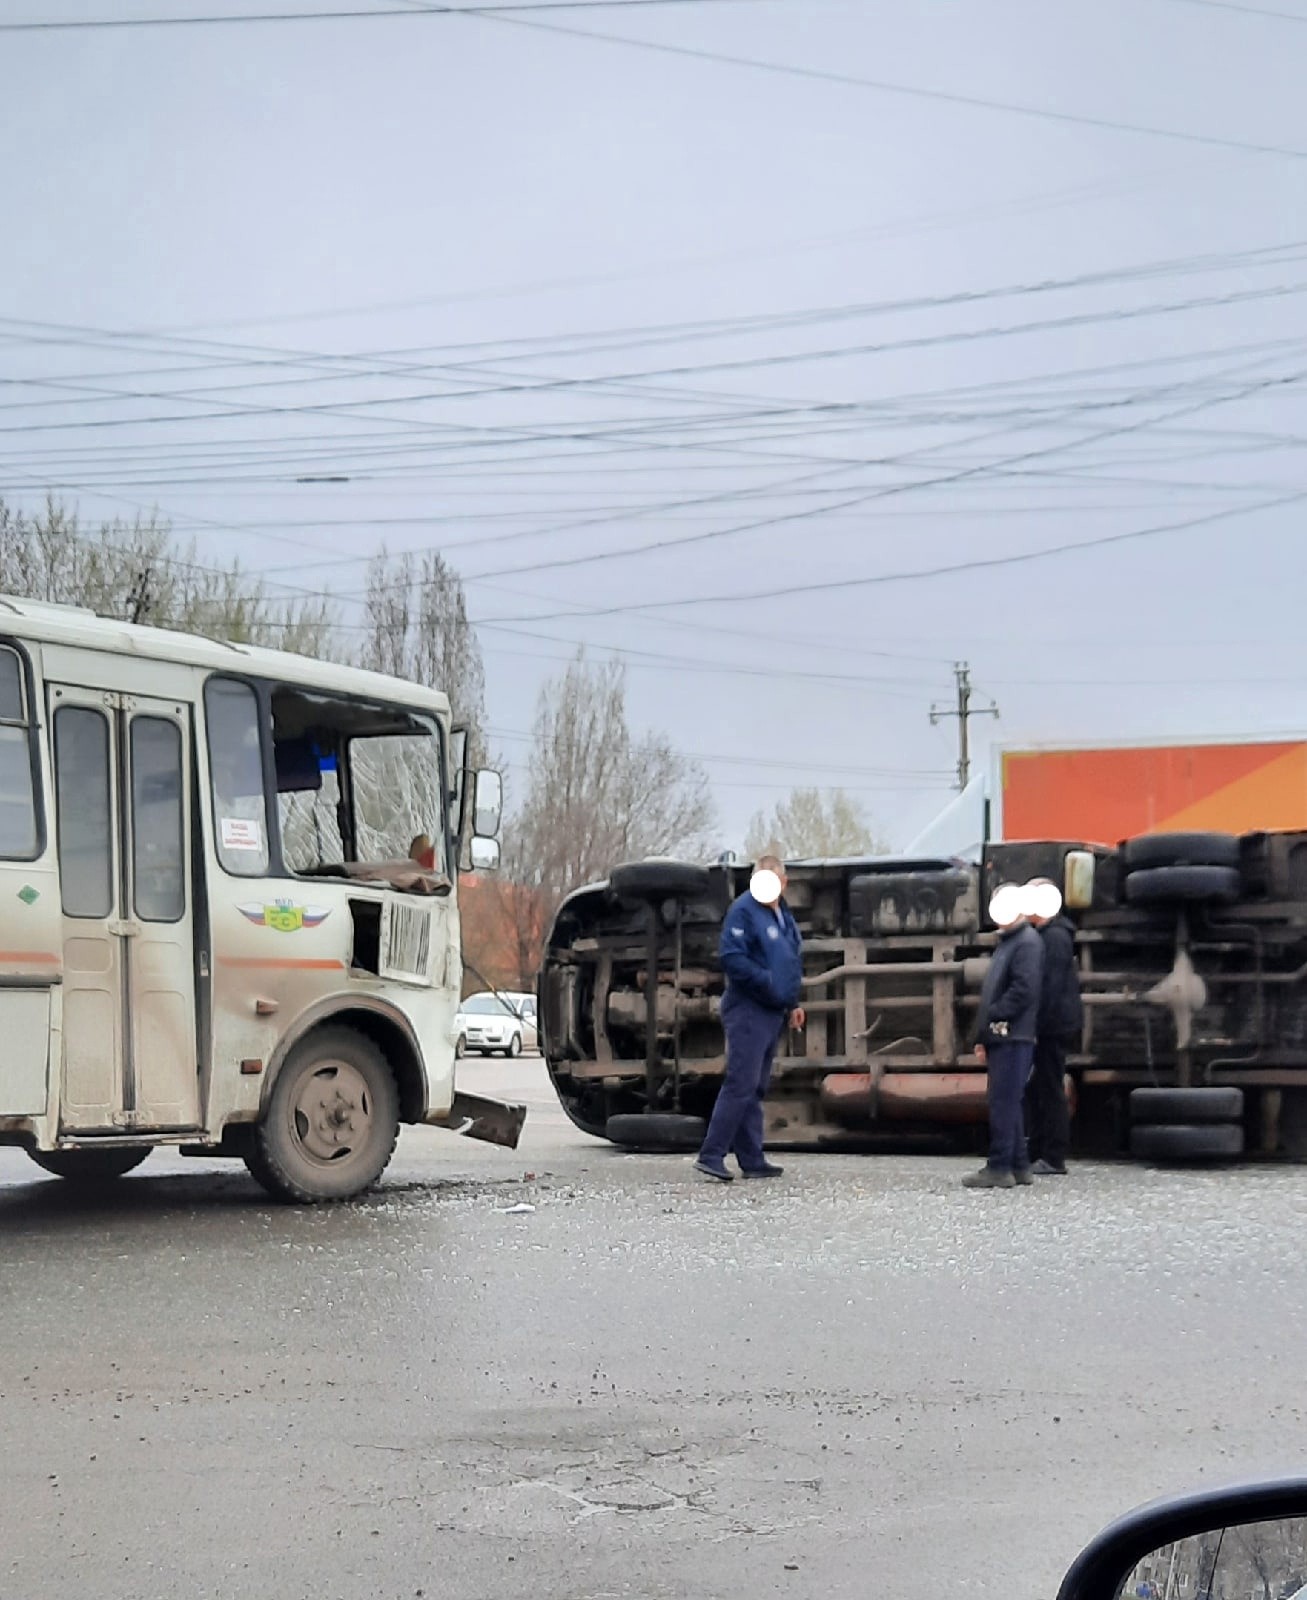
657 880
1186 1105
1181 850
1171 885
91 1169
1178 1141
331 1122
660 1130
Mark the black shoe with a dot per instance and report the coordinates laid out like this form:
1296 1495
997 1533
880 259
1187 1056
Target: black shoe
768 1169
714 1170
988 1178
1046 1169
1021 1176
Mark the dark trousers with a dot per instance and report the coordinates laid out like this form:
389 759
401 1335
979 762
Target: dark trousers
1009 1068
1048 1117
752 1034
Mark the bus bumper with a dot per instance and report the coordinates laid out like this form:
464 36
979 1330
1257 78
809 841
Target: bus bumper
495 1121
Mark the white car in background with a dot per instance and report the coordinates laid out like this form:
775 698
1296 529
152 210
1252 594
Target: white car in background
496 1024
525 1006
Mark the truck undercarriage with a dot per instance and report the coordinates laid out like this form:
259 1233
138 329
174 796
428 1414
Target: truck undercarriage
1193 960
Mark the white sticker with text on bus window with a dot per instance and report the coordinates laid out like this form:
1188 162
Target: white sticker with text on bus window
240 834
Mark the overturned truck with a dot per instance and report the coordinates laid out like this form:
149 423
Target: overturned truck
1193 961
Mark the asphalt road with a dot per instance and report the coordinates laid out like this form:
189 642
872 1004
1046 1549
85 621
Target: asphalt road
859 1381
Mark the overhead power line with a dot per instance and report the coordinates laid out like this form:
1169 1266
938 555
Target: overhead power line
365 409
904 227
375 14
477 355
1248 11
921 574
887 490
908 91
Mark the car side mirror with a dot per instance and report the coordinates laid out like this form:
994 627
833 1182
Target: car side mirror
1250 1540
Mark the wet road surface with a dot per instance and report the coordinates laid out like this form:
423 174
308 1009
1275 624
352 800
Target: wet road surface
862 1379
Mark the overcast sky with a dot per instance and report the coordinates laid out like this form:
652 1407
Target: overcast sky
542 297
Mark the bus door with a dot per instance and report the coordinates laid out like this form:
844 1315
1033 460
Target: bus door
123 786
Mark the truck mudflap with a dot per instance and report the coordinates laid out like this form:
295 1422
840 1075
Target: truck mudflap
475 1117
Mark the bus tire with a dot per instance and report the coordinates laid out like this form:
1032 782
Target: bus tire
331 1122
91 1169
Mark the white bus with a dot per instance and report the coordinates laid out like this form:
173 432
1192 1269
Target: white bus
228 905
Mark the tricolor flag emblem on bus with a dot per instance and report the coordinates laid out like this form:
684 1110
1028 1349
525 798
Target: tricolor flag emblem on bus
284 916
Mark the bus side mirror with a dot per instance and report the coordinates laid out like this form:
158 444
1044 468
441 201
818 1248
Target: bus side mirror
488 805
485 855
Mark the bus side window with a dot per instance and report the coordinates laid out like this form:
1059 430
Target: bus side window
240 809
19 834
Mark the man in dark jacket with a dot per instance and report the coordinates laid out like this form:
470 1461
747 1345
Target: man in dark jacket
762 957
1061 1015
1009 1004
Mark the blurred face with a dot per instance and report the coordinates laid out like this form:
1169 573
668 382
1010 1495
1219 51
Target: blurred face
1007 906
767 884
1044 899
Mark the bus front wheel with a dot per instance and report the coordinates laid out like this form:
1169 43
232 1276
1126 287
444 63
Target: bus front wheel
91 1169
331 1123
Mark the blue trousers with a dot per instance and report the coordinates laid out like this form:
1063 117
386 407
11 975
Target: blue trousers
752 1034
1009 1072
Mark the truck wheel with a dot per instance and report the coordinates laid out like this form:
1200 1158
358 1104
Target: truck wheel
1186 1105
1181 850
91 1169
661 1130
331 1123
1175 1142
649 880
1168 885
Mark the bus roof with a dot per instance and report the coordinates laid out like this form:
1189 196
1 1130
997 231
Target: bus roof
45 623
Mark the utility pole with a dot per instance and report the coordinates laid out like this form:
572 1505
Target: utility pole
964 713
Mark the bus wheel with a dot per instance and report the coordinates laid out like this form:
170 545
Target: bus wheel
91 1169
332 1122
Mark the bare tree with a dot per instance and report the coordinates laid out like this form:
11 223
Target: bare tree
810 823
137 572
1265 1559
503 929
417 627
596 795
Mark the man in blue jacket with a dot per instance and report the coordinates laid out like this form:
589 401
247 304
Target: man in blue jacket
1009 1006
762 957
